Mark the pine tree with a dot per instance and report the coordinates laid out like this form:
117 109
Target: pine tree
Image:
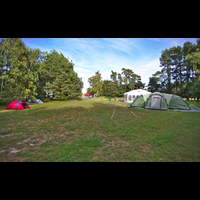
166 63
62 80
96 84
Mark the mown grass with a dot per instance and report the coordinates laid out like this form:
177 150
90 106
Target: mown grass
194 103
83 131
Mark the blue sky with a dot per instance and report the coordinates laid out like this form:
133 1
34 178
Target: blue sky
106 54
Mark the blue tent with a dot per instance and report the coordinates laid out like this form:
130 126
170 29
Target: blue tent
36 101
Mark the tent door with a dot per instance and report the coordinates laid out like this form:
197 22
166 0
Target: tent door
17 104
156 102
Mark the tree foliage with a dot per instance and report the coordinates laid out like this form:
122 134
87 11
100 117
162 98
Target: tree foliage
117 86
180 71
25 72
96 84
62 80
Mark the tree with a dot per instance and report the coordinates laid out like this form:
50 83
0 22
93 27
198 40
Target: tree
121 90
127 73
153 85
19 69
175 54
125 80
187 49
179 69
194 60
14 69
165 62
112 89
139 84
34 64
113 76
105 87
63 81
120 79
96 84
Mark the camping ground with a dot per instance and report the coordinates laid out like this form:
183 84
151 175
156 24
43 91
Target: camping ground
83 130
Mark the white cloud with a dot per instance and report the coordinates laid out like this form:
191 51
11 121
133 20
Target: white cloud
146 70
155 39
90 55
80 69
121 44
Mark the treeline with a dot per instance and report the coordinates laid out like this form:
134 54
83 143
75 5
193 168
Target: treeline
27 73
180 71
117 86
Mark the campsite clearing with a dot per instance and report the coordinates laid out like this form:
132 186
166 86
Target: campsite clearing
83 130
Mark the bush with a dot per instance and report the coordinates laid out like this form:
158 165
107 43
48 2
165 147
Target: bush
47 100
41 97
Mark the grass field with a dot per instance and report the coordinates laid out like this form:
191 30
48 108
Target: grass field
83 131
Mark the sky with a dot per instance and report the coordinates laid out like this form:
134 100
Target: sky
105 54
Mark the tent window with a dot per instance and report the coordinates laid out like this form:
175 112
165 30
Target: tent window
129 97
133 96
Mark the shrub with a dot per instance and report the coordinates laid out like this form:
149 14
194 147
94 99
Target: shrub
47 100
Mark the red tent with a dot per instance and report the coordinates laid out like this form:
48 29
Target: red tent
87 94
18 105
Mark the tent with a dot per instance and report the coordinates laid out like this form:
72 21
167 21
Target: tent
132 95
160 101
140 100
36 101
156 101
18 105
47 100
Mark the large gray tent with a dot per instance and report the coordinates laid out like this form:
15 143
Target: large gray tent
160 101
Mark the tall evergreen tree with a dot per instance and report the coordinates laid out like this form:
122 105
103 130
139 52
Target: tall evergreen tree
63 81
112 89
120 79
165 62
96 84
105 87
113 76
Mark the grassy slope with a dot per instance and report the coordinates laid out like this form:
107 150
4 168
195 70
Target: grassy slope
83 131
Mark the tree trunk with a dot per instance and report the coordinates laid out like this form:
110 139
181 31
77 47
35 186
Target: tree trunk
2 68
1 86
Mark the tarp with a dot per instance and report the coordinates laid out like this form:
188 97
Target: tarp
18 105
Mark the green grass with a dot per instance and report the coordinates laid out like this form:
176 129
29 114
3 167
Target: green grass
194 103
82 131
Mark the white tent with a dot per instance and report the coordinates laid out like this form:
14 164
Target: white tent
131 95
